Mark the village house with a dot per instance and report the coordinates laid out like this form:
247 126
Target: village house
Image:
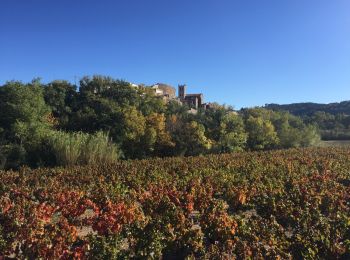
167 93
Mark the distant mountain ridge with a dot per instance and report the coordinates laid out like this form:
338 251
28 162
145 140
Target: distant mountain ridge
309 108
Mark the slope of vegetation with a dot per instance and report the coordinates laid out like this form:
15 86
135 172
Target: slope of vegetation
333 120
56 124
274 205
302 109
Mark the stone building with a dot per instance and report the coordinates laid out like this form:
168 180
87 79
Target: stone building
167 93
192 100
163 90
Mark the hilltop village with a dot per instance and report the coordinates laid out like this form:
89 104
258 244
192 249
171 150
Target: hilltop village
167 93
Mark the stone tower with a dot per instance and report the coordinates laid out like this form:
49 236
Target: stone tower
182 92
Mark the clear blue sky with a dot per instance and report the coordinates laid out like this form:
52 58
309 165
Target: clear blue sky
238 52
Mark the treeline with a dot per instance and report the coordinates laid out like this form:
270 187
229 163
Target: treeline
333 120
104 119
308 109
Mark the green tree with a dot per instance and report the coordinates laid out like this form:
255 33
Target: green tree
149 103
25 120
194 136
310 136
120 91
212 119
189 137
261 133
93 113
156 140
23 108
176 108
60 96
132 129
289 136
232 134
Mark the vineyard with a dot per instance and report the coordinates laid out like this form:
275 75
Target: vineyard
288 204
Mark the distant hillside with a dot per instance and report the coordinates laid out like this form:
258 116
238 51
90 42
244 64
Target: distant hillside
333 120
307 109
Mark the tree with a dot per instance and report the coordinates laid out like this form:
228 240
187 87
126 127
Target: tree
261 133
189 137
149 103
92 113
232 134
310 136
212 119
132 130
194 136
120 91
25 120
157 139
289 136
22 104
60 95
176 108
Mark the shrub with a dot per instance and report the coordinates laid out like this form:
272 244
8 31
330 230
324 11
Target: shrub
81 148
12 156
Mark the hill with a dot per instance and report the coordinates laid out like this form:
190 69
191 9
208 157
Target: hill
307 109
333 120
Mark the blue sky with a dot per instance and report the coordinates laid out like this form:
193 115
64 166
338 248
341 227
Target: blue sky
238 52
